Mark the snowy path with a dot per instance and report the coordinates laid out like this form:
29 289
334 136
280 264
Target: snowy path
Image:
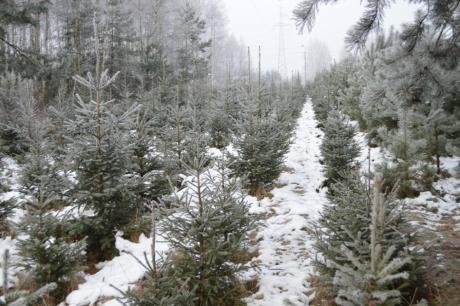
284 249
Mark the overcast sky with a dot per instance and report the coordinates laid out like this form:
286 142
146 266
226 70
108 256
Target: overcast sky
254 22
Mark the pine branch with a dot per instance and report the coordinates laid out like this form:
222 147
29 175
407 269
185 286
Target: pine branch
305 13
370 21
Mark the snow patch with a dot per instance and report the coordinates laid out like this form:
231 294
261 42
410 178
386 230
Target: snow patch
284 261
122 272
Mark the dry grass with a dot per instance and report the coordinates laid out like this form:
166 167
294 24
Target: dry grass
134 235
322 294
261 193
447 286
245 256
54 299
287 169
91 262
443 275
251 286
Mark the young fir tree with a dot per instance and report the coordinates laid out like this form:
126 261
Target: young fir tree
407 152
42 166
6 210
147 181
339 148
46 244
101 152
163 289
220 123
174 135
6 206
346 215
437 123
197 137
352 234
349 97
21 297
163 284
375 279
328 90
206 231
260 150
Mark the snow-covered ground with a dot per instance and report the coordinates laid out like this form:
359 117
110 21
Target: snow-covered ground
122 272
285 250
443 199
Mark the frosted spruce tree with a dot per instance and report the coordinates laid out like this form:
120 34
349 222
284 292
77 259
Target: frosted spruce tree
174 134
206 230
408 151
375 279
101 160
147 181
261 151
339 147
7 207
327 94
363 246
345 217
46 243
19 297
350 95
6 210
43 169
220 123
261 147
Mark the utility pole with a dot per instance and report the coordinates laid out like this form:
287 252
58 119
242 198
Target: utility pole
305 66
282 63
260 67
259 100
249 68
213 51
